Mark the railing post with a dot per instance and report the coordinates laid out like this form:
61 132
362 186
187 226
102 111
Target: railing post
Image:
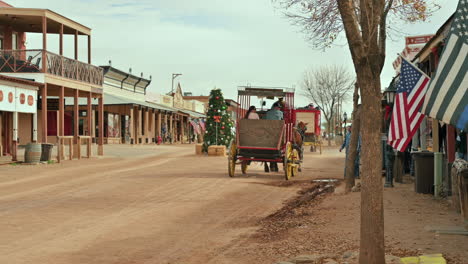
78 148
59 149
70 150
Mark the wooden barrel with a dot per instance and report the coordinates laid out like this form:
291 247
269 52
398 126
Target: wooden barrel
32 153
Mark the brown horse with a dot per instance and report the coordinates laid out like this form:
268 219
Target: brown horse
298 140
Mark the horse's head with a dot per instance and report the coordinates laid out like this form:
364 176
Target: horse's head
302 126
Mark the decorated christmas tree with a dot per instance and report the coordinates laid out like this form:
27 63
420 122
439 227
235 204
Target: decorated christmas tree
218 123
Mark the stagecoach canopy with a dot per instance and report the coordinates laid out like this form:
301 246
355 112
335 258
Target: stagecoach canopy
264 91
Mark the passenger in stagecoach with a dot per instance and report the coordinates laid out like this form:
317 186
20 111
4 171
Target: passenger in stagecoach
274 113
251 113
280 103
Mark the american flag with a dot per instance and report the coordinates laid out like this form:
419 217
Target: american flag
196 128
411 90
447 95
202 125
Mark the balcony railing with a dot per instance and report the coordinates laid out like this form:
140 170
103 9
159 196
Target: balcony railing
24 61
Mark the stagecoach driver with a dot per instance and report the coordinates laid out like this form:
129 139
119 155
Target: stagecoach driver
274 113
280 103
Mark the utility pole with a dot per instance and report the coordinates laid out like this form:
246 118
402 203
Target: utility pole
174 75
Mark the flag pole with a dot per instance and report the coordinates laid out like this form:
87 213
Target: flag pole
416 67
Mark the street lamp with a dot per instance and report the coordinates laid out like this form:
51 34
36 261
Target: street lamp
174 75
390 92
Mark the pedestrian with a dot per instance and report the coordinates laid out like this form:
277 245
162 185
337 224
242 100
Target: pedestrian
345 145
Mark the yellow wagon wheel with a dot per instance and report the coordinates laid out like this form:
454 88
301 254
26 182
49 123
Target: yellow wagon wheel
244 166
288 155
295 163
232 159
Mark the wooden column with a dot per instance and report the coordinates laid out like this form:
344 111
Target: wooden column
139 126
131 126
158 125
89 49
146 128
171 128
89 115
44 44
44 113
101 126
76 123
34 128
153 127
61 118
14 151
450 143
61 40
61 111
76 45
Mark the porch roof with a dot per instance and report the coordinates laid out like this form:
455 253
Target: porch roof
110 99
30 20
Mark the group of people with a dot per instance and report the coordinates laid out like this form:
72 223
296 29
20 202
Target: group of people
274 113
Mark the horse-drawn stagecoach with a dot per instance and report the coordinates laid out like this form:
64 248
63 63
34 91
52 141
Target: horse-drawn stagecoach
266 140
311 137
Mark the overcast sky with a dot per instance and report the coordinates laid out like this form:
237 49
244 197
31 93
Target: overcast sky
213 43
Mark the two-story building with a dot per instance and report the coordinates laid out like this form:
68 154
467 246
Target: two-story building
59 77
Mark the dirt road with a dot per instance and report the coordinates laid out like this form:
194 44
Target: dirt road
173 207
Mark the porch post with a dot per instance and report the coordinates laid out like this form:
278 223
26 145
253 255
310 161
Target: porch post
153 127
131 126
61 111
101 126
171 130
44 44
89 114
76 45
61 40
89 49
146 128
34 128
76 123
158 125
61 130
44 113
139 126
15 137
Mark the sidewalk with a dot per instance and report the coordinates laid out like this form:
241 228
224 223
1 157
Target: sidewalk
111 150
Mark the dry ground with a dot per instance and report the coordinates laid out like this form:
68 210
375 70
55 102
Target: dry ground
165 205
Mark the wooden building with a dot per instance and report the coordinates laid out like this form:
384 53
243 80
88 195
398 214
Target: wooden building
18 114
60 77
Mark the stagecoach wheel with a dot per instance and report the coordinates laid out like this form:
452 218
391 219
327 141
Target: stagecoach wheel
295 163
288 156
244 166
232 159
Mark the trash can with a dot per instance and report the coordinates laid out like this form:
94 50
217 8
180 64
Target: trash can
46 151
32 153
423 171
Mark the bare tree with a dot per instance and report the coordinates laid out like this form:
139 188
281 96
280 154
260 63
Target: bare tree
326 87
365 24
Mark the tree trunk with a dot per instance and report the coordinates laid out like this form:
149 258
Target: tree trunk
328 132
352 154
355 130
372 244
